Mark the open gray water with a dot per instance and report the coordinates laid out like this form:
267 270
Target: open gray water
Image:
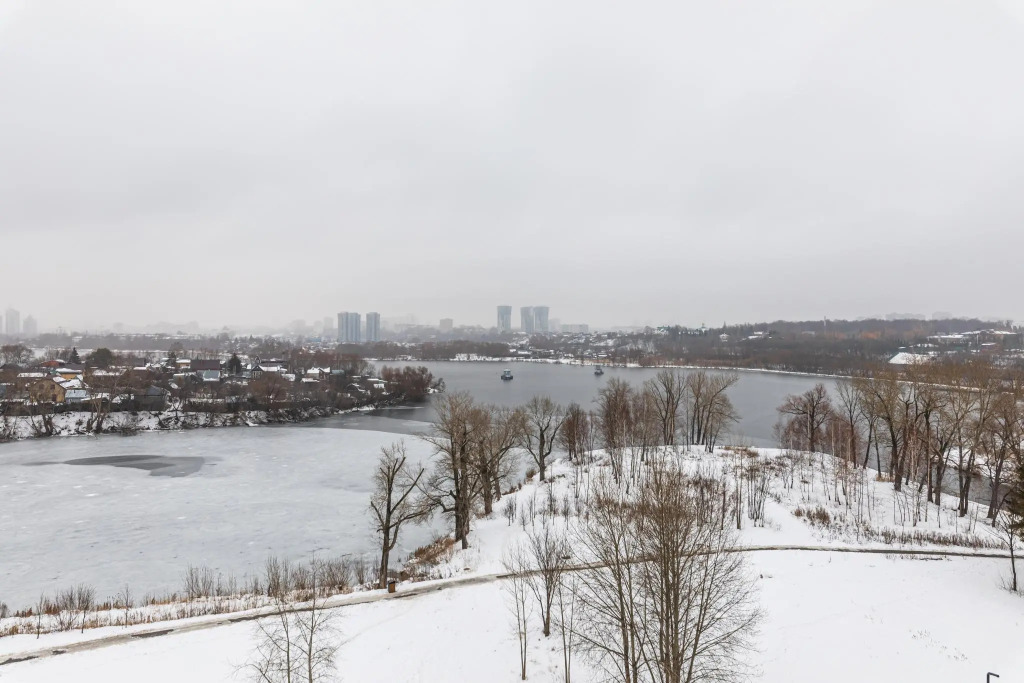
756 396
156 465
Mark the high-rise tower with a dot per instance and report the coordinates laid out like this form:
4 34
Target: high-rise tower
348 328
528 323
504 318
540 318
373 327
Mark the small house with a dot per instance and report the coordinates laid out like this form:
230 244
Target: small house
47 390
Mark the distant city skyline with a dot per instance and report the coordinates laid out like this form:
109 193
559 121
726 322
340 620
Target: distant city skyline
327 326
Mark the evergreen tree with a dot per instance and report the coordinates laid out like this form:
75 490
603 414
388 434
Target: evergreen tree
101 358
234 365
74 356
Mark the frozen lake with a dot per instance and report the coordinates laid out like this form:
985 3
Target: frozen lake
115 510
112 510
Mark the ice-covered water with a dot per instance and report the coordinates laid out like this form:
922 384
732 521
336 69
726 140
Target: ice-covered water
94 513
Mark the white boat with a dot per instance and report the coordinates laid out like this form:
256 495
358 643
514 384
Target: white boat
506 375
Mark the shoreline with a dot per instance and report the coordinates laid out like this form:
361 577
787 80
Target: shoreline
68 424
629 366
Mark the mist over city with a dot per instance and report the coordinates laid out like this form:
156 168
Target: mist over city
250 165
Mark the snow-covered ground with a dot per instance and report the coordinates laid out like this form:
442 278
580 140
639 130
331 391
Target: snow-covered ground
837 617
831 615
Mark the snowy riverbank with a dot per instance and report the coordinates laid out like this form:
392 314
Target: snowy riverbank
890 597
73 423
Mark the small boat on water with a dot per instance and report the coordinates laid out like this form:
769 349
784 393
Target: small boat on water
506 375
598 370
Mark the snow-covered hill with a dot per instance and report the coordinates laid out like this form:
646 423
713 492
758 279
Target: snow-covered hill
830 614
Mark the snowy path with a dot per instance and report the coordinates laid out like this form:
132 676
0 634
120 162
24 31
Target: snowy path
426 588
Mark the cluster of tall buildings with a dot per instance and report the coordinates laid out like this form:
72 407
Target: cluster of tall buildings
533 319
12 326
352 331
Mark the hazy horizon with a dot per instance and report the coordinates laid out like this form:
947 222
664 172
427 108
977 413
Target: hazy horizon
256 163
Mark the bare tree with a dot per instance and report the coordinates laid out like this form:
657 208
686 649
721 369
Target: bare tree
297 642
609 597
891 400
549 557
316 636
395 500
1011 520
1004 445
708 408
614 402
453 485
567 592
666 599
85 601
40 610
542 418
274 660
496 458
572 436
668 389
699 595
126 601
808 413
517 586
1007 525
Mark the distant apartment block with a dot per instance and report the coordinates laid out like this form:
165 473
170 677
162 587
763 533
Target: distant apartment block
576 328
13 320
504 318
527 322
540 319
30 328
447 324
348 328
373 327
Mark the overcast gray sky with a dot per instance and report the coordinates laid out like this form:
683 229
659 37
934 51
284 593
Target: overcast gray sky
623 163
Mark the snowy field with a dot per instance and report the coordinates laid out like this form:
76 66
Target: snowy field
838 617
287 491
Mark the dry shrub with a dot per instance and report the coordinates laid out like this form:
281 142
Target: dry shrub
426 558
816 516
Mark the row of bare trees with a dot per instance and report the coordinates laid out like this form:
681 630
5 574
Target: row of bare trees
933 426
476 447
673 408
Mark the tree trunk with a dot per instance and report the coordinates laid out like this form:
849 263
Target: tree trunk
385 554
1013 565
